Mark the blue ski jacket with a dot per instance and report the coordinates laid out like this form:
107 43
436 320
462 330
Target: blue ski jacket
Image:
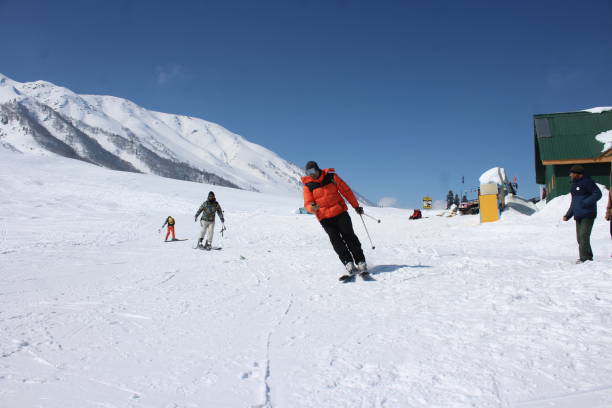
585 195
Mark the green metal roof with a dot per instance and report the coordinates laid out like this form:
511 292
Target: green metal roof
567 136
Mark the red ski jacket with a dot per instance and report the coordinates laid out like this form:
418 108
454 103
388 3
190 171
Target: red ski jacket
327 192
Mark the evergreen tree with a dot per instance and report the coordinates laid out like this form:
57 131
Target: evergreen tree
449 199
456 199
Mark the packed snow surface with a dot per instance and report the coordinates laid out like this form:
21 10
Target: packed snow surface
97 311
495 175
606 139
599 109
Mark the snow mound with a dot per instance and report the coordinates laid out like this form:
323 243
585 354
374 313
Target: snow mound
495 175
598 109
606 139
556 208
520 205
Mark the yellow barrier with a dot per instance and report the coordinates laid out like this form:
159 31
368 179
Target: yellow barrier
488 203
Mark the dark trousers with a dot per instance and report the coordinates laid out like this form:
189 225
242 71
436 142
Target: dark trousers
583 235
343 238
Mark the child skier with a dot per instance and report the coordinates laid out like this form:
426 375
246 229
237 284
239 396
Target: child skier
170 223
208 209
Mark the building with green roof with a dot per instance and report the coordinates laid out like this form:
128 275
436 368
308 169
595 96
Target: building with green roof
564 139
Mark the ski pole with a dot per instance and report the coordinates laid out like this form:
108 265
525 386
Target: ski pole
366 229
368 215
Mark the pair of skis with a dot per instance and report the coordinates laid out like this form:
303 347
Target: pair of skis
203 248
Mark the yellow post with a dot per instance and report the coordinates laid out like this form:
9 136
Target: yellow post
488 203
427 203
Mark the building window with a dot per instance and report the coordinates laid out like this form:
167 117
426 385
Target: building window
542 127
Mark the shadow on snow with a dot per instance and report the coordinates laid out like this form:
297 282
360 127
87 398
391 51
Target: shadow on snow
392 268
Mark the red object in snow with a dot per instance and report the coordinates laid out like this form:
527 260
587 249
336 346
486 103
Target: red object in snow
416 214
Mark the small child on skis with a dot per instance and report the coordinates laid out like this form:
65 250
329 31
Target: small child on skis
170 223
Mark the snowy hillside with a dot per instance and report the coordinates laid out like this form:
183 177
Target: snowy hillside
97 311
42 118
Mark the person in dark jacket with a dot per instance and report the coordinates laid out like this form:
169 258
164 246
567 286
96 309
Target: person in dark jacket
609 210
583 208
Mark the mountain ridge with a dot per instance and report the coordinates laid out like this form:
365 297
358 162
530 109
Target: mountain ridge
40 117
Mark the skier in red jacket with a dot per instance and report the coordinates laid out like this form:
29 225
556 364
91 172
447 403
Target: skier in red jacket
324 195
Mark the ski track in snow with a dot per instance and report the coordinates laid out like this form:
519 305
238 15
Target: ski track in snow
95 310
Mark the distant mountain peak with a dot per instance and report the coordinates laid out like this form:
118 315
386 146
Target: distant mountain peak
41 118
4 79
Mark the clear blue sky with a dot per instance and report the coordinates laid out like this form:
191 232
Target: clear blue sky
402 98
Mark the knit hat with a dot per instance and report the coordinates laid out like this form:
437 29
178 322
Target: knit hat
576 168
312 165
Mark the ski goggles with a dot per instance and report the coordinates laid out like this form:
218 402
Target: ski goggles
311 171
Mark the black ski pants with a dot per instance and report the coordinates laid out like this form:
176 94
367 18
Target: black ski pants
343 238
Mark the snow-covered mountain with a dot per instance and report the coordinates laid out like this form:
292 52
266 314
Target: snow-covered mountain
42 118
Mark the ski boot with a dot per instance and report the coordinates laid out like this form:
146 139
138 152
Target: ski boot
350 273
362 269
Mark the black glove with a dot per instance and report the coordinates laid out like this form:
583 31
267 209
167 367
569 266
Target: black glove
359 210
222 220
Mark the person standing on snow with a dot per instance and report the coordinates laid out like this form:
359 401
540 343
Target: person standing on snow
324 194
170 223
609 210
208 209
583 208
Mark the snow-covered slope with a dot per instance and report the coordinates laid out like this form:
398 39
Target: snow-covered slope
97 311
42 118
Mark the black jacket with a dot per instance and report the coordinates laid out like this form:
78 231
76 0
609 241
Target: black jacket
585 195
